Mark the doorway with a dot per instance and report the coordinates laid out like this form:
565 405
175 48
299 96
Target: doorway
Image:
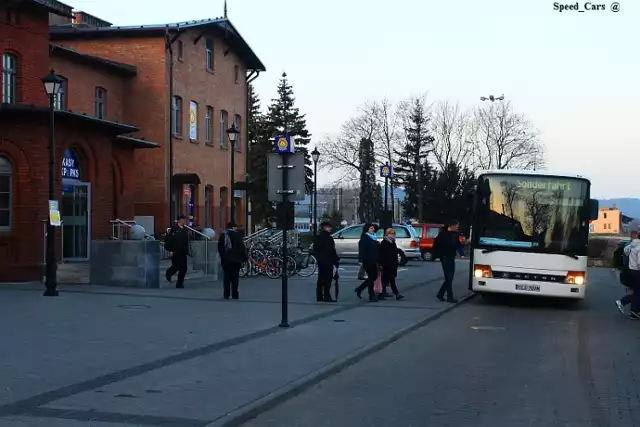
76 221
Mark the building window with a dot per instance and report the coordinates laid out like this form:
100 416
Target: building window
177 115
101 103
238 122
605 215
9 78
236 73
209 54
208 125
6 188
224 138
60 102
208 197
180 50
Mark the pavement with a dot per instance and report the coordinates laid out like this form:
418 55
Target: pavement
185 357
502 361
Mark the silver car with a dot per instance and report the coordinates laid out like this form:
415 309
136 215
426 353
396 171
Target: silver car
407 241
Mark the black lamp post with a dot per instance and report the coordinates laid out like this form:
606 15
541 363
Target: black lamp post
233 133
315 155
52 84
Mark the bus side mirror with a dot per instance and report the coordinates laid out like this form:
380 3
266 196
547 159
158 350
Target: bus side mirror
593 209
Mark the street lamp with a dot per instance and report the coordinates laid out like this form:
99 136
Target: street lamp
492 98
233 133
52 85
315 156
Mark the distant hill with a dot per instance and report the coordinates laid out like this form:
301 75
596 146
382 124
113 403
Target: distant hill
628 206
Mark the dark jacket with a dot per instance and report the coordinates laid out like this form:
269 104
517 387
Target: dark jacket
237 253
368 250
324 249
389 257
177 240
446 244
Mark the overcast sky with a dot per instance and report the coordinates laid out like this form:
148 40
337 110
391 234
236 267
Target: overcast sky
574 74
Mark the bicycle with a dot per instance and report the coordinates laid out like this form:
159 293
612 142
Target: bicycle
306 265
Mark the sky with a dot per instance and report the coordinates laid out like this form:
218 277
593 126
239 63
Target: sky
575 75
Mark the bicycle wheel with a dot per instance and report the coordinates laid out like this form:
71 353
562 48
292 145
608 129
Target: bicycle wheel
244 268
307 265
291 266
273 268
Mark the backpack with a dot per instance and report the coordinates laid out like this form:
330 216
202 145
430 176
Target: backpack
169 241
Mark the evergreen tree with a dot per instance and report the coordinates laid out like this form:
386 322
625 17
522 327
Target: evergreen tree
450 196
412 170
369 198
284 118
260 144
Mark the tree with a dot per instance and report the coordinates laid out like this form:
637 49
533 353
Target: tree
284 118
260 144
412 169
504 139
369 200
451 130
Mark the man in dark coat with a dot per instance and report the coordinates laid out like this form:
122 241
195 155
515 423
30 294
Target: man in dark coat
446 244
369 256
232 254
324 249
177 242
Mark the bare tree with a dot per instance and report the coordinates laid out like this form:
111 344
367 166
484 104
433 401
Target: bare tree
451 130
504 139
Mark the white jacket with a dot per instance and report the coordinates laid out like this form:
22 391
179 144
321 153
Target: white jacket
633 252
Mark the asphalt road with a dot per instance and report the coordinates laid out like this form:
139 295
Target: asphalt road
500 362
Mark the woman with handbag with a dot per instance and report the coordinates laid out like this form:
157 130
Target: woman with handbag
389 264
369 256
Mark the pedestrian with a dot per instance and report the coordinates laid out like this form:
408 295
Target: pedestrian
232 254
633 252
621 262
369 256
389 264
324 249
177 242
445 246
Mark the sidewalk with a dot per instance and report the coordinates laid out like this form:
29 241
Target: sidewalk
185 357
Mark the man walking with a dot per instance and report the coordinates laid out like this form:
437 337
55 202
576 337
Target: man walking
324 249
445 246
633 252
177 242
232 254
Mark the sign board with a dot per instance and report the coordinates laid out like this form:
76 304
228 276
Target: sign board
54 213
186 191
193 121
70 165
386 171
283 144
296 177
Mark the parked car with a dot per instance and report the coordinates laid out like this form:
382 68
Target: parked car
407 241
427 234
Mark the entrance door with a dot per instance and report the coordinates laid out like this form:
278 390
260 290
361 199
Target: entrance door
76 221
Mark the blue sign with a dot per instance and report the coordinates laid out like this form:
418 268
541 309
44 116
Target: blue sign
386 171
70 165
283 144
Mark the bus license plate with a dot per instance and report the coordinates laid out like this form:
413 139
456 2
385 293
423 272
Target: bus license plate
529 288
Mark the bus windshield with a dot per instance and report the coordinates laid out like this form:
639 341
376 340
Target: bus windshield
532 213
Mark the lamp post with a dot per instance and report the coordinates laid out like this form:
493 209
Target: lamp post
315 156
52 84
233 133
492 98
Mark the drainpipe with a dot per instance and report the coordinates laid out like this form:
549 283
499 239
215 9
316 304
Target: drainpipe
169 41
247 200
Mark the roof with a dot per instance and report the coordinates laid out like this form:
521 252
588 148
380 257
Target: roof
96 61
53 6
221 27
21 109
529 172
136 142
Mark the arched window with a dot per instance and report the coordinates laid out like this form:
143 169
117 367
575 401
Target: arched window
6 187
9 78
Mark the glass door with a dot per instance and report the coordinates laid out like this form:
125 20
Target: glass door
76 221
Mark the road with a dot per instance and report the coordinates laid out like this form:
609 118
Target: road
491 362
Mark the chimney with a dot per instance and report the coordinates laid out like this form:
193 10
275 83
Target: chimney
84 19
614 207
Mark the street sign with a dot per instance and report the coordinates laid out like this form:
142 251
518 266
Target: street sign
283 144
386 171
186 191
296 177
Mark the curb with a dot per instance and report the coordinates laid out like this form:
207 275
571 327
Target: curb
252 410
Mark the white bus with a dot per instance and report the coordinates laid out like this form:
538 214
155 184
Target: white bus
530 233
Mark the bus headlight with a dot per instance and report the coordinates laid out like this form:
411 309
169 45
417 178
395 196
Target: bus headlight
481 271
575 278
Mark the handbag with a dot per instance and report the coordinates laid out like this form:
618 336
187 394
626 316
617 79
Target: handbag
377 284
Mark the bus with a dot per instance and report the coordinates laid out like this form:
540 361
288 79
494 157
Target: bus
530 233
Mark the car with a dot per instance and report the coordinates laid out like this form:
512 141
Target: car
407 241
428 233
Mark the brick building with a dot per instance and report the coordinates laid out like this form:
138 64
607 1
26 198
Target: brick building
191 84
93 152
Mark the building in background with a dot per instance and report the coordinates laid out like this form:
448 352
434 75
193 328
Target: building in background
609 221
190 86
